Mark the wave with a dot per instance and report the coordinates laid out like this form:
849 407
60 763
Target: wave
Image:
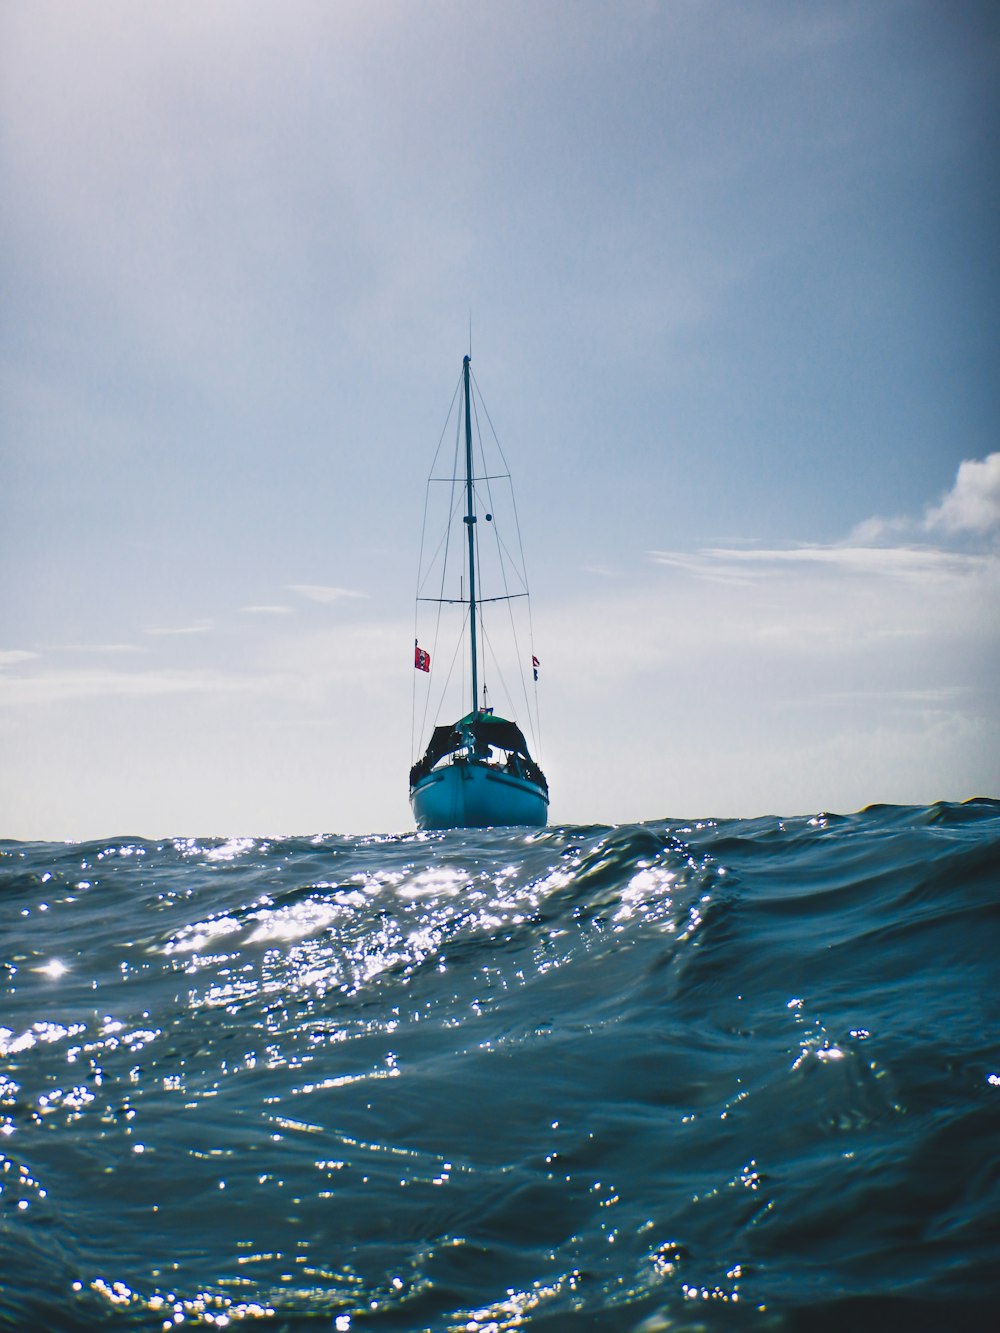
690 1073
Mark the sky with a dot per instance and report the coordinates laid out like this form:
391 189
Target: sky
732 278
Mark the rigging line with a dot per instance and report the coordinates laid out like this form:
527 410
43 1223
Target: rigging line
427 697
520 667
453 507
479 609
416 636
488 477
520 661
522 573
452 503
537 728
496 663
501 545
420 564
413 701
522 569
482 454
444 562
415 751
486 411
423 530
513 500
432 562
513 563
520 540
445 426
451 669
434 655
421 581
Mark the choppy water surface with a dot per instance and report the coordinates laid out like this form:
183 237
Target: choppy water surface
682 1075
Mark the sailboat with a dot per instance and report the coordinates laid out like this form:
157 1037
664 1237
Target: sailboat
476 772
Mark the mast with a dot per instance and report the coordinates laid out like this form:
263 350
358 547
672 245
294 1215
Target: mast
470 520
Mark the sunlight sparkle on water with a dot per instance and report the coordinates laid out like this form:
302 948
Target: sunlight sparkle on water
435 882
54 969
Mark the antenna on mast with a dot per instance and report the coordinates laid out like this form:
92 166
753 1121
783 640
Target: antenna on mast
470 334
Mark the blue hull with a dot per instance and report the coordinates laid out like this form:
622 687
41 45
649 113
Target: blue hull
467 794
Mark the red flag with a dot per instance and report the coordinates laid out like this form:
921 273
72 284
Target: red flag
421 657
535 664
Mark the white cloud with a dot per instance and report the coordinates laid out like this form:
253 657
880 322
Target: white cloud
973 503
878 531
970 508
267 610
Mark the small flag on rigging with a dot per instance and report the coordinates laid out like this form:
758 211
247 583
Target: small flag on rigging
421 657
535 664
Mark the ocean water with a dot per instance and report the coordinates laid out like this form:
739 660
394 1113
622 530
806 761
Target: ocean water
679 1075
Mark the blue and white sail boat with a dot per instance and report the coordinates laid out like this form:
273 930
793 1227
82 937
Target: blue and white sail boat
476 772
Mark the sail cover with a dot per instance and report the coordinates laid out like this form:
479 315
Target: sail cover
486 730
504 735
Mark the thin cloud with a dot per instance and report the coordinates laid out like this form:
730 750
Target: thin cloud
879 547
266 610
942 697
53 687
202 627
324 593
726 564
97 648
12 656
